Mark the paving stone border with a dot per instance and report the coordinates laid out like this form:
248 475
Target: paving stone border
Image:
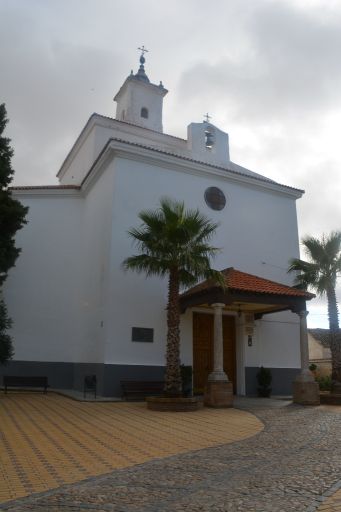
332 490
294 464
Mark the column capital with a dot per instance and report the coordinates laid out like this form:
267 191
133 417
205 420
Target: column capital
303 314
218 305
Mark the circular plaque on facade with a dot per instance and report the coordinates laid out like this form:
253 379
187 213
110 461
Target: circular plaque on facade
215 198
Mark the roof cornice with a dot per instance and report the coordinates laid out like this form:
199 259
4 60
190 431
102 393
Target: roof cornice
116 147
47 190
131 79
77 145
139 152
107 122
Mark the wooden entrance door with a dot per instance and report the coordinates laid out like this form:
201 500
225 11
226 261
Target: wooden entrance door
202 350
203 332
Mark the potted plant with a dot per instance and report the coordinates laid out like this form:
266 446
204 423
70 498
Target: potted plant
264 379
313 369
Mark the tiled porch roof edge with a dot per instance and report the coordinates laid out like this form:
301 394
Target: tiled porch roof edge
235 280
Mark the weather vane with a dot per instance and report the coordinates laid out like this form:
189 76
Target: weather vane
207 118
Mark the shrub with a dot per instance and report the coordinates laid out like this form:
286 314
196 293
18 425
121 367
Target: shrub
325 383
264 379
186 377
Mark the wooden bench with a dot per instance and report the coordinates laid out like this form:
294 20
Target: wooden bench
138 390
24 382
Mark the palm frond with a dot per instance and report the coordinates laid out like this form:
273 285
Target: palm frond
321 271
143 263
173 237
314 249
333 244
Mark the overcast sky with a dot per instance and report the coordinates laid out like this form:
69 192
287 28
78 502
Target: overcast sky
268 72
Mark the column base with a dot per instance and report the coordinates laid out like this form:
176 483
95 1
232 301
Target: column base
218 394
306 393
217 376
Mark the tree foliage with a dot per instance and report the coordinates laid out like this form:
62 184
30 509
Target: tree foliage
12 218
320 274
173 242
6 347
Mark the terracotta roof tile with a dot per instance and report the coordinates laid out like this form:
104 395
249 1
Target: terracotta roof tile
241 281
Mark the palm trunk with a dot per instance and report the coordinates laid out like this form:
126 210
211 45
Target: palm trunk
173 376
335 342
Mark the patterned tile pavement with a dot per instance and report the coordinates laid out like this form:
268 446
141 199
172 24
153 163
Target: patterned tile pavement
50 440
332 504
293 464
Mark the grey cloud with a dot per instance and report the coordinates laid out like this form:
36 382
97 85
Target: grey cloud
267 71
291 67
49 98
321 207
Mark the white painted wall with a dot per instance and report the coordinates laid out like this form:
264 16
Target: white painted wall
263 229
100 129
133 96
95 135
55 294
218 154
70 299
81 156
275 342
42 291
95 264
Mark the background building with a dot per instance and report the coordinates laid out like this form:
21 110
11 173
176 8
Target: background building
319 351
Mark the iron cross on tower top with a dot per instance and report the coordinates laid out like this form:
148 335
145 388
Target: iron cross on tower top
143 50
207 118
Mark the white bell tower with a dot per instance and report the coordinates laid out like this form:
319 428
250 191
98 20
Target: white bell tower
139 101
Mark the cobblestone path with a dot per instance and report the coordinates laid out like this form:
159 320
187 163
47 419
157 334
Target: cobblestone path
288 466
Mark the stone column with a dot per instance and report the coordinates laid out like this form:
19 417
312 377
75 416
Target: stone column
305 375
305 389
219 391
218 373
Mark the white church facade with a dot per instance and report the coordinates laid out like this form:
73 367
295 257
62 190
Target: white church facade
76 312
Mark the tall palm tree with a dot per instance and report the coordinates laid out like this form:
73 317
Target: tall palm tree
173 242
320 273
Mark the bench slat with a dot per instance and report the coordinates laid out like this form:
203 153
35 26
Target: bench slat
133 389
25 381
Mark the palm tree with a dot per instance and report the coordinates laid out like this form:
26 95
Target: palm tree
173 242
320 273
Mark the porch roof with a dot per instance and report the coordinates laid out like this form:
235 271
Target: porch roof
246 292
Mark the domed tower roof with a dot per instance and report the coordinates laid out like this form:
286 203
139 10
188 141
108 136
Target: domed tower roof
139 101
141 74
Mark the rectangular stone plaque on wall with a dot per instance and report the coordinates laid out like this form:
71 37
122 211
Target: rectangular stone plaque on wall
143 334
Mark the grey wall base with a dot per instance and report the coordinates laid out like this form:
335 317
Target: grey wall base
282 379
71 375
60 375
109 376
